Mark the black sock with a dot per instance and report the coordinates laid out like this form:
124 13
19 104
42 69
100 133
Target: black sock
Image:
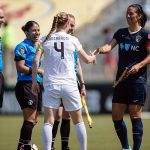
27 145
137 129
54 131
20 144
121 131
65 132
25 134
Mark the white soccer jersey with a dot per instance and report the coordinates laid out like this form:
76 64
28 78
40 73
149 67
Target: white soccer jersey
59 59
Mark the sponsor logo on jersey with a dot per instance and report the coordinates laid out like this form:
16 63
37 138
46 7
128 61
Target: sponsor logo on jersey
128 47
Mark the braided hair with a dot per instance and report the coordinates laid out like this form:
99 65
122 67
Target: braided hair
59 20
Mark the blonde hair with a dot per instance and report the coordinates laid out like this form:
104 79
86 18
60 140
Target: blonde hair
59 20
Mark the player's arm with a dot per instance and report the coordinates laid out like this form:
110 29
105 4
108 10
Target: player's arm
81 79
136 67
38 55
106 48
20 66
87 58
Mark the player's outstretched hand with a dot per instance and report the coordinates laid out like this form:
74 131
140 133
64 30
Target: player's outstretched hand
92 54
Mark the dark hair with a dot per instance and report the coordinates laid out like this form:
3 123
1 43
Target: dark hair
139 10
28 25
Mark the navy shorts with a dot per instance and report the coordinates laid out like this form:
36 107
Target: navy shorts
1 89
26 98
130 93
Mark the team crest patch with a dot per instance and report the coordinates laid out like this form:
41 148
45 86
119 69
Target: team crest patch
138 38
30 102
22 50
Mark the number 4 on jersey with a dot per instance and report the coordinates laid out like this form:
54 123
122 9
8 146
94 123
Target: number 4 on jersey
60 50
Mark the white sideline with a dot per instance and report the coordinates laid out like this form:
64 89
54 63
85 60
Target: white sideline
146 115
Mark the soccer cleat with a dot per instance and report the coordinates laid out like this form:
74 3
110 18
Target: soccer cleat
128 148
34 147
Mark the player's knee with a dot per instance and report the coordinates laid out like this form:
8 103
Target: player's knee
36 121
116 116
66 116
58 117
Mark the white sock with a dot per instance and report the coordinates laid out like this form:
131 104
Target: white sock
47 136
81 135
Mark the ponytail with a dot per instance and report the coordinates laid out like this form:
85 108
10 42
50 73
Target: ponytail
53 28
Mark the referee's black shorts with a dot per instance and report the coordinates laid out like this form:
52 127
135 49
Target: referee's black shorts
1 89
26 98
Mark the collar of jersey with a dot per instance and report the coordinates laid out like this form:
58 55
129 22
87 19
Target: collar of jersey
29 42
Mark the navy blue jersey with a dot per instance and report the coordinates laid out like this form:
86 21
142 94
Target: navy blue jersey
26 51
132 50
1 58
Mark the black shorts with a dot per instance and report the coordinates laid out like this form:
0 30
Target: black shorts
26 98
1 89
132 93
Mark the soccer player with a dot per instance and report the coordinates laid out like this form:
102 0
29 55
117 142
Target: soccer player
2 20
30 103
61 113
60 84
134 54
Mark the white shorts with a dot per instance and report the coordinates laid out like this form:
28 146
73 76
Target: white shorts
67 94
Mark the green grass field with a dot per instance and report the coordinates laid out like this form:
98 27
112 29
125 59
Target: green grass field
101 137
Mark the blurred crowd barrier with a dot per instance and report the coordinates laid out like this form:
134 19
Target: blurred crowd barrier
99 100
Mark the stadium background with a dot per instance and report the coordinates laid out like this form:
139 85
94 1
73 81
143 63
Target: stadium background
91 17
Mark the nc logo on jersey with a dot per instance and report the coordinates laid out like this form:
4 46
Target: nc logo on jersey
129 47
30 102
138 38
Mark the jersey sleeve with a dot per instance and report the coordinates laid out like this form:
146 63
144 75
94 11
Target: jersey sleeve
77 44
147 39
20 52
116 35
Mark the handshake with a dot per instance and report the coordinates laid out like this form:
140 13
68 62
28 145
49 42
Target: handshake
95 53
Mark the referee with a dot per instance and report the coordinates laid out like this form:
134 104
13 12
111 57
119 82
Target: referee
29 103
